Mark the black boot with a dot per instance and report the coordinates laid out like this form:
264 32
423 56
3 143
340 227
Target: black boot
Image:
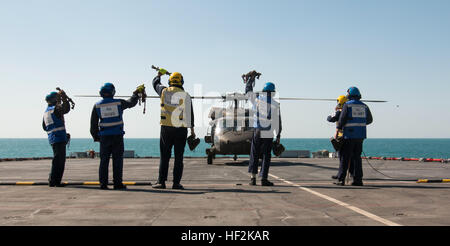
339 182
159 185
252 181
177 186
265 182
120 187
104 187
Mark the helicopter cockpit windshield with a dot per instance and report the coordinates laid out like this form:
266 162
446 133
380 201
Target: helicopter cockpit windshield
232 124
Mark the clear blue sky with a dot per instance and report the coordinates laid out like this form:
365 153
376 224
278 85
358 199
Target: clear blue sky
393 50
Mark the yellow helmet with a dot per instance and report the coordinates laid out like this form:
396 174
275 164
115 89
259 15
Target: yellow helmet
342 99
176 79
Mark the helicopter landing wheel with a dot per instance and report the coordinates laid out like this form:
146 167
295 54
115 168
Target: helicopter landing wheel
210 159
235 157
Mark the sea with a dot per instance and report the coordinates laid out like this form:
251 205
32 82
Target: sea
380 147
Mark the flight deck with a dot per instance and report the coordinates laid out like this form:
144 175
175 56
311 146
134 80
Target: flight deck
220 195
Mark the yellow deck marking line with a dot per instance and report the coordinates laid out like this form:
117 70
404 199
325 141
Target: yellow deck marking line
343 204
24 183
433 181
91 183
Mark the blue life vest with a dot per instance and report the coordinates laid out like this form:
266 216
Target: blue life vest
110 113
355 128
54 126
263 112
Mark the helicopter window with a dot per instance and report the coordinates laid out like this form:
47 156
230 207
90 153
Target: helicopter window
230 124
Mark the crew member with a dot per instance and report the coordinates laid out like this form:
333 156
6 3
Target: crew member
53 123
176 116
266 120
354 117
341 100
107 127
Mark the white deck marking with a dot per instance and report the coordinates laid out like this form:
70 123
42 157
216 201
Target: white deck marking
343 204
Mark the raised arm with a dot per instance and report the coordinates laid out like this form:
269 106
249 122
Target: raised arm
157 85
131 102
249 85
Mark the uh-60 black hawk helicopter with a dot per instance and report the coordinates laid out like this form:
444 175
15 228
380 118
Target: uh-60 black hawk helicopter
230 129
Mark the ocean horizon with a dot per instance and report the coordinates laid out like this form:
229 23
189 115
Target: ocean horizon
143 147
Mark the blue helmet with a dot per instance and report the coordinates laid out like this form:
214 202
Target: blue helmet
269 87
51 98
107 90
353 93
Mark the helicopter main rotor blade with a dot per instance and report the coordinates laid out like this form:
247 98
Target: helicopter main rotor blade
224 97
193 97
322 99
114 96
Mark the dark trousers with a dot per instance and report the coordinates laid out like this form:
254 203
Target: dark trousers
351 168
58 163
171 137
351 158
111 145
261 147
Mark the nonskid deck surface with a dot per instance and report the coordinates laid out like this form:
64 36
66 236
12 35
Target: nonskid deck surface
219 194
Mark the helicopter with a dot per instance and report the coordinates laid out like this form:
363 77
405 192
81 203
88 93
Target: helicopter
230 130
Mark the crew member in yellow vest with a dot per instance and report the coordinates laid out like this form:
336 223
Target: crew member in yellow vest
176 116
340 103
341 100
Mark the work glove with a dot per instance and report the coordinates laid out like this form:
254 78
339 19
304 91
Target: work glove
162 71
336 134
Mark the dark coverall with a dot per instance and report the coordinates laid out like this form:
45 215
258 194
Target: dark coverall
351 149
335 118
171 137
261 147
110 145
59 149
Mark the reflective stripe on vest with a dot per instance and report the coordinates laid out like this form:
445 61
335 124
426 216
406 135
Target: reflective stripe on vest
57 129
175 107
110 124
355 124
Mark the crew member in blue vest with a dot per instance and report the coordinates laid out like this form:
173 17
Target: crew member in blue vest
266 120
107 127
53 124
354 118
177 115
